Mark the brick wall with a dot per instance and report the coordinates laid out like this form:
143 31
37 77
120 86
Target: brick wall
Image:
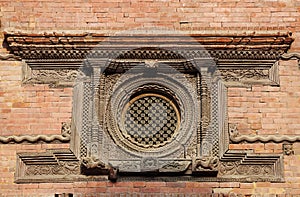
40 109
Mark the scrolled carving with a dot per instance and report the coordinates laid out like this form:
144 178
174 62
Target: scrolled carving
175 166
236 138
293 55
149 164
64 137
62 168
52 76
239 169
9 57
244 74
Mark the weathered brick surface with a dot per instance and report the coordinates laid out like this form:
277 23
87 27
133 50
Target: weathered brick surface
39 109
174 14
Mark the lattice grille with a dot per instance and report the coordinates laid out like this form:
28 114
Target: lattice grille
150 120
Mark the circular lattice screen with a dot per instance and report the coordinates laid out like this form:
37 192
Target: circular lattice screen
150 120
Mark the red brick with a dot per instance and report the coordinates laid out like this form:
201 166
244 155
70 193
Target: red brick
155 184
176 184
117 189
96 184
151 190
139 184
230 184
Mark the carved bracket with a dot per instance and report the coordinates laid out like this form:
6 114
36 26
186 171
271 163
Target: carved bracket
205 164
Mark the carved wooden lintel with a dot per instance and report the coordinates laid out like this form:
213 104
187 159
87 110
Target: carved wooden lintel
243 59
51 164
250 166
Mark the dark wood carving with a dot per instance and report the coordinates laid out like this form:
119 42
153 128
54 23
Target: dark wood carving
116 80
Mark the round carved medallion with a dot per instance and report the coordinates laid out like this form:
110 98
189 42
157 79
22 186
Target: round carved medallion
150 120
152 117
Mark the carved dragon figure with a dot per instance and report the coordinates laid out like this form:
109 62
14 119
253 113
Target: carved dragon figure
95 163
92 162
206 163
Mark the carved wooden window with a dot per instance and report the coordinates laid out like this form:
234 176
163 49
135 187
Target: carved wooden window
149 121
151 104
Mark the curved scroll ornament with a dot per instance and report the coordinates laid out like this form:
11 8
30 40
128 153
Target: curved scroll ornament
235 137
10 57
236 168
244 74
54 77
64 137
293 55
63 168
175 166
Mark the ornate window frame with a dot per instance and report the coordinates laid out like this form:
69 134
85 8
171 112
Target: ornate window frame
223 60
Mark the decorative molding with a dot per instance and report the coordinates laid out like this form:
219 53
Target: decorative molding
175 166
251 166
291 55
47 165
9 57
255 52
54 77
253 40
64 137
236 138
287 56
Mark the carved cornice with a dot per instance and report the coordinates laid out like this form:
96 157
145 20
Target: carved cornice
242 59
64 137
235 137
79 46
